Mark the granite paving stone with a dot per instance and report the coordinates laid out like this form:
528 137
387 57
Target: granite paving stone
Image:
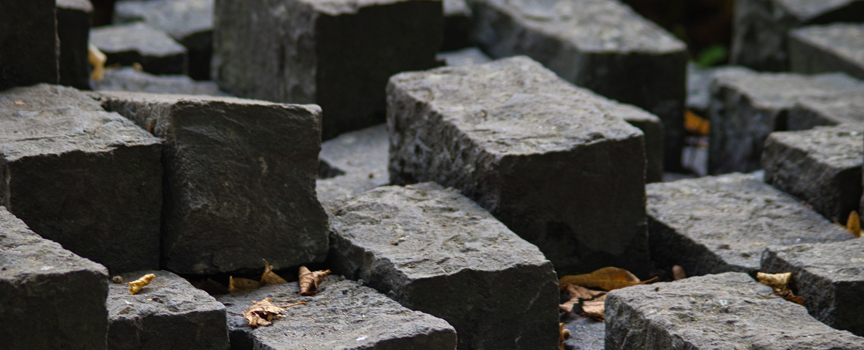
846 108
830 48
140 43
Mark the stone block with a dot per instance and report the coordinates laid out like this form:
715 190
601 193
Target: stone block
73 31
167 314
50 298
699 81
746 106
829 276
129 79
821 166
724 223
140 43
343 315
652 127
585 334
830 48
524 144
239 177
357 162
29 51
436 251
85 178
307 61
725 311
842 108
457 24
596 44
463 57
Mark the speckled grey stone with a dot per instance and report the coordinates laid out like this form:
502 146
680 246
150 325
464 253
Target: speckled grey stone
436 251
361 156
129 79
727 312
525 144
464 57
343 315
169 313
719 224
40 278
830 48
138 42
73 31
240 180
29 50
830 277
85 178
841 108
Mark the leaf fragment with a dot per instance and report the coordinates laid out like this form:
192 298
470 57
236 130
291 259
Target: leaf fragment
270 277
779 282
309 280
97 59
242 284
577 295
853 224
563 334
595 308
678 273
608 278
136 285
262 313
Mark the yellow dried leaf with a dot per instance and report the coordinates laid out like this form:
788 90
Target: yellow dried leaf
270 277
595 308
695 124
678 273
97 60
136 285
309 281
775 280
853 224
608 278
262 313
242 284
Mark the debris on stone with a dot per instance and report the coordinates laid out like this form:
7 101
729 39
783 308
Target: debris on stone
309 280
97 60
262 313
270 277
242 284
136 285
578 294
853 224
565 334
779 282
608 278
678 273
117 279
595 308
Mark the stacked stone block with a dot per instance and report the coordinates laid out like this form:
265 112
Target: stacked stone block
140 43
73 31
835 109
831 48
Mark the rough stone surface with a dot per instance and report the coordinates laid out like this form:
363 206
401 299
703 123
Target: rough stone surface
524 144
761 27
585 334
831 48
167 314
240 180
725 311
597 44
463 57
360 160
73 31
841 108
29 50
746 106
822 167
129 79
457 24
830 277
61 294
436 251
138 42
85 178
307 60
343 315
720 224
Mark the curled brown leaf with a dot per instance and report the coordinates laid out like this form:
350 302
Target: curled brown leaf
608 278
309 280
270 277
262 313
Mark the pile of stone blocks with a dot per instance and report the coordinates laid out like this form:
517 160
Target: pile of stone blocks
138 42
830 48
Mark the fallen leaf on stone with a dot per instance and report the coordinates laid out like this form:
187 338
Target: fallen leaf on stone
608 278
136 285
262 313
678 273
595 308
779 282
695 124
563 334
117 279
295 304
309 281
97 59
577 295
242 284
853 224
270 277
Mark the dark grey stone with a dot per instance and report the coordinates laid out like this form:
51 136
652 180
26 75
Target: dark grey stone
831 48
720 224
457 24
140 43
525 144
652 127
725 311
597 44
239 177
337 54
436 251
29 51
85 178
830 277
167 314
463 57
343 315
821 166
836 109
50 297
585 334
699 81
73 31
129 79
361 157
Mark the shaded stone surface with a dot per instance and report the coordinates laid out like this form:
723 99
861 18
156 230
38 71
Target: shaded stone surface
597 44
821 166
41 278
361 158
524 144
585 334
457 24
725 311
129 79
239 177
719 224
85 178
830 277
29 50
463 57
343 315
830 48
138 42
167 314
307 60
436 251
73 31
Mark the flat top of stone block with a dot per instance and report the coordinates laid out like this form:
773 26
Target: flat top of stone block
83 5
838 261
806 9
362 156
177 18
737 216
844 39
846 107
515 106
166 295
175 98
838 146
135 37
443 232
129 79
343 315
782 90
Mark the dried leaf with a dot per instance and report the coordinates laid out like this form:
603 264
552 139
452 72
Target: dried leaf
595 308
97 60
853 224
136 285
678 273
309 281
20 103
775 280
242 284
695 124
117 279
608 278
577 295
563 334
262 313
270 277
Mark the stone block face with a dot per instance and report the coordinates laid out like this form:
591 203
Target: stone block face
41 278
652 127
85 178
353 163
436 251
725 311
240 180
574 39
343 315
821 166
169 315
138 42
699 81
463 57
524 143
305 61
28 43
721 224
73 31
129 79
829 48
842 108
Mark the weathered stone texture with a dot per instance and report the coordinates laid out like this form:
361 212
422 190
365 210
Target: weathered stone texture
726 311
29 50
841 108
358 163
129 79
831 48
73 31
463 57
50 298
85 178
724 223
337 54
240 180
343 315
167 314
436 251
525 144
138 42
